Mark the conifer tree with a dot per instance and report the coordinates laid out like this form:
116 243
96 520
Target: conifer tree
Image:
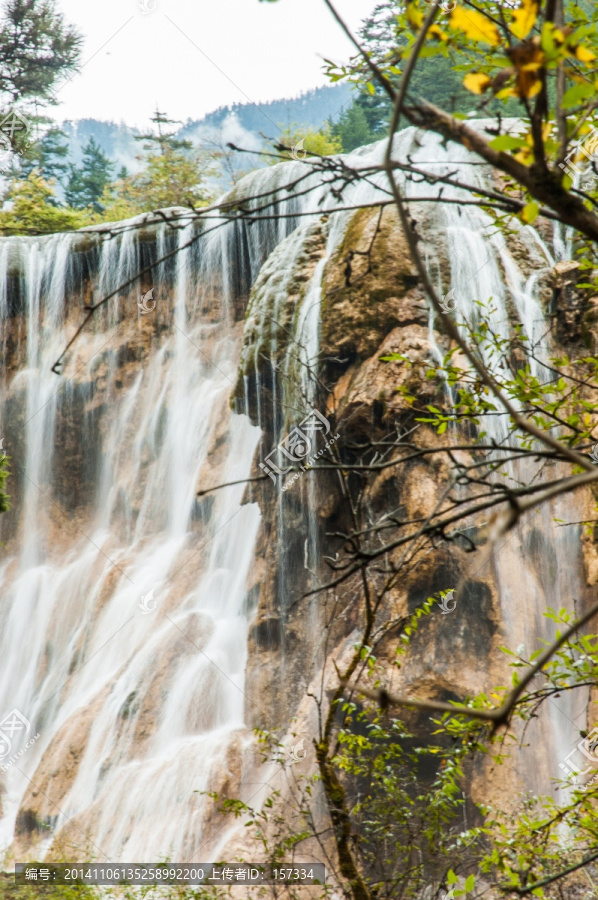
86 184
48 155
37 48
352 129
162 139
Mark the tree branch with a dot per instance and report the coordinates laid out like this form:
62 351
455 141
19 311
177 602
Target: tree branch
499 715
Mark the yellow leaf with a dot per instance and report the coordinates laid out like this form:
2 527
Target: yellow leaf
438 32
415 16
506 92
529 88
530 211
475 25
525 156
584 55
524 18
476 82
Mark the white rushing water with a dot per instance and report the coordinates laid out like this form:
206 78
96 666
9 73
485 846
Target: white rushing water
137 702
158 683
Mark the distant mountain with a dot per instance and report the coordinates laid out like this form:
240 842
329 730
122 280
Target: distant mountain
243 124
117 141
311 109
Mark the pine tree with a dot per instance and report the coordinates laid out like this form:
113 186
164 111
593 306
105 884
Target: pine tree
352 128
37 47
379 32
163 140
86 184
48 156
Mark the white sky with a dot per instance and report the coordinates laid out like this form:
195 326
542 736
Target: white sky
132 60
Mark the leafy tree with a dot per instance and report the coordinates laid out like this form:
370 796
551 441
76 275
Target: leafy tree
384 38
33 209
296 142
173 173
169 177
86 184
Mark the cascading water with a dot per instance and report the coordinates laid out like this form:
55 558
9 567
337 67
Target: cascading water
124 612
158 681
539 565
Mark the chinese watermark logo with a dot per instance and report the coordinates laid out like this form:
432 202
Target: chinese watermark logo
297 445
13 728
298 752
145 604
146 6
444 602
588 748
449 302
147 304
299 152
11 124
587 148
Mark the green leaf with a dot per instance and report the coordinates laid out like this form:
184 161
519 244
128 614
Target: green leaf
576 95
530 211
507 142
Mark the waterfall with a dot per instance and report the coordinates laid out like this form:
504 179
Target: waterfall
538 565
124 609
157 683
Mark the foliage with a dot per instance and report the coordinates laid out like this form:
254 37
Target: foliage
37 47
172 174
87 183
406 797
558 392
48 155
352 128
33 209
382 36
304 142
11 891
540 61
160 139
169 177
4 474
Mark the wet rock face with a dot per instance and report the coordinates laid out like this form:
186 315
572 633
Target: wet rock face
373 307
370 288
